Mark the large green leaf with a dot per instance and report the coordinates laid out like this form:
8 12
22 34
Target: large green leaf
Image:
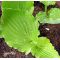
43 48
20 30
18 24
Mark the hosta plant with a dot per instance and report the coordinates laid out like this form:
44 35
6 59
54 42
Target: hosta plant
20 28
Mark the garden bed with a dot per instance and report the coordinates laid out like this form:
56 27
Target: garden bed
51 31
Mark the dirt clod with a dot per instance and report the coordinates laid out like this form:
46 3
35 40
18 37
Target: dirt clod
38 6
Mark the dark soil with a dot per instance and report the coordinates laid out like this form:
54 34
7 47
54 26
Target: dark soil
57 4
8 52
38 6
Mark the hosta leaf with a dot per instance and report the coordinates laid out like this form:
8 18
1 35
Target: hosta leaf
41 17
0 28
54 13
10 5
47 3
17 25
43 48
16 5
52 18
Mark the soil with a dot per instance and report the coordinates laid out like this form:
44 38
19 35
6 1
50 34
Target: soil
51 31
9 52
38 6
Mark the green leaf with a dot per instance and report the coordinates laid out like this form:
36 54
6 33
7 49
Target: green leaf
16 5
43 48
0 28
41 17
53 17
47 3
10 5
18 25
20 30
54 13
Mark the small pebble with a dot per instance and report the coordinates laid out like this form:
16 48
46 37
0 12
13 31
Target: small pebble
47 29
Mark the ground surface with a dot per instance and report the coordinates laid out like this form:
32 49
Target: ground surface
8 52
